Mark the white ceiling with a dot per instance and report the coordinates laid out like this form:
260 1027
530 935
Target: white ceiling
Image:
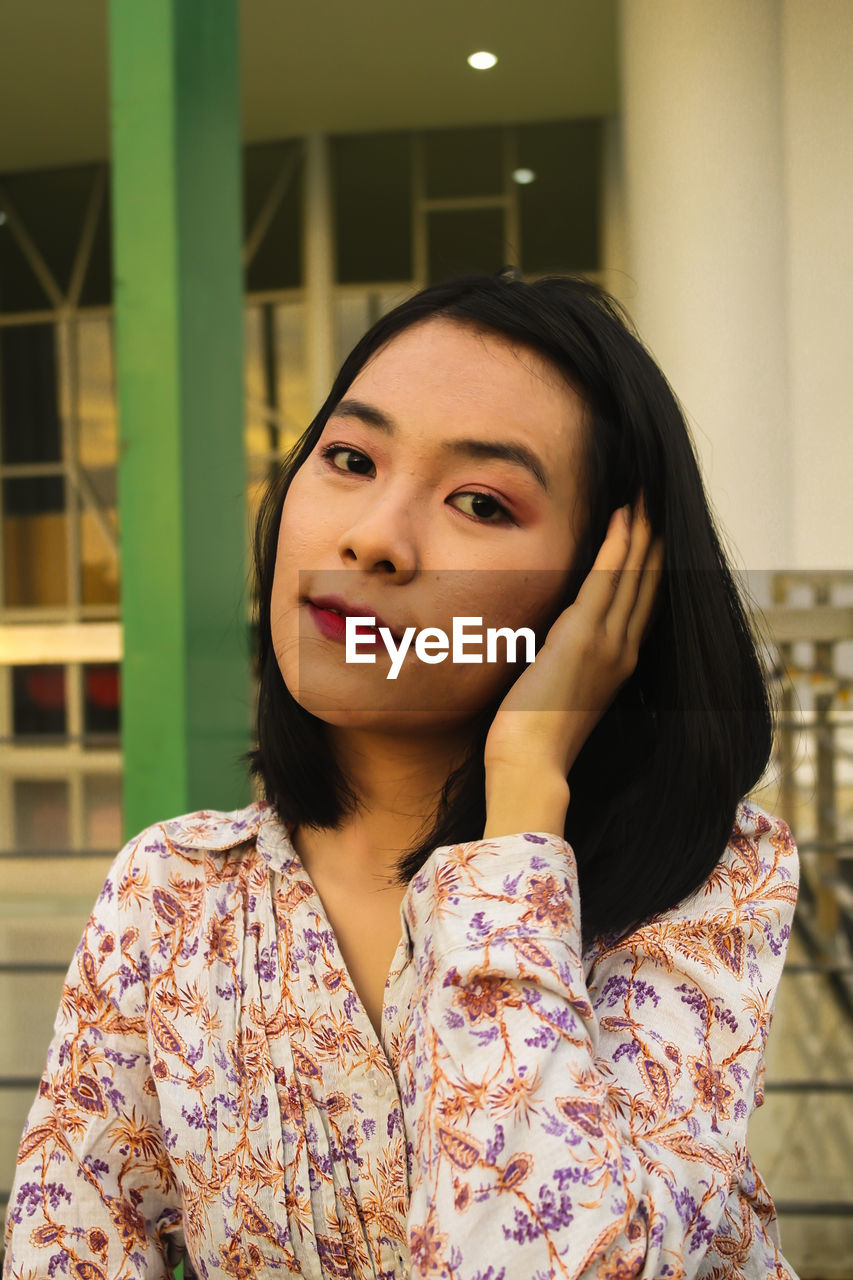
332 65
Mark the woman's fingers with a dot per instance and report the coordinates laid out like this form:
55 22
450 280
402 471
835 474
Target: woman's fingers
596 593
649 585
616 600
609 592
632 577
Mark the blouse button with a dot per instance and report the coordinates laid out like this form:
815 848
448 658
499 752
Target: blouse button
378 1083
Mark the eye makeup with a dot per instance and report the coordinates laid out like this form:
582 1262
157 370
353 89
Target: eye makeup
330 452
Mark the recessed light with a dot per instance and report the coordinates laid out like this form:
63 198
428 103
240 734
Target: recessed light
482 61
524 176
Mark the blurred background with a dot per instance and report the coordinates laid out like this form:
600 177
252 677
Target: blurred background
204 203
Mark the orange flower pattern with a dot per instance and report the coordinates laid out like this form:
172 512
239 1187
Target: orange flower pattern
585 1115
215 1091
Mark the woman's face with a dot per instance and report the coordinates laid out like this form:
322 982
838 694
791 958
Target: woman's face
446 484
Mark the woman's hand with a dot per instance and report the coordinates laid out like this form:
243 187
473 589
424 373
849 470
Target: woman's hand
589 652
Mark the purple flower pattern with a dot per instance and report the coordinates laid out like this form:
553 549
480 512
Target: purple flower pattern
638 1115
215 1089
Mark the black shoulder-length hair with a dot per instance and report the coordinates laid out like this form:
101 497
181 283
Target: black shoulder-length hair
655 788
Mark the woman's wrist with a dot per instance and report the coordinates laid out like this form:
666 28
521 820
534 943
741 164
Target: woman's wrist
515 801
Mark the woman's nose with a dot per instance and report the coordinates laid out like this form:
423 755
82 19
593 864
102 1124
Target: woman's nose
381 537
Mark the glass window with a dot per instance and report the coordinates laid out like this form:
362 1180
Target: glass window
97 421
277 261
294 401
353 317
29 415
464 162
372 186
255 381
463 240
35 537
101 700
356 311
97 445
39 701
102 811
20 289
277 408
42 816
97 288
99 571
52 204
559 212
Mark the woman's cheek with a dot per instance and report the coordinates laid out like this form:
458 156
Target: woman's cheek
294 540
516 597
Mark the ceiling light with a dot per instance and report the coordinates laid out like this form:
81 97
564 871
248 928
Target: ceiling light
523 176
482 61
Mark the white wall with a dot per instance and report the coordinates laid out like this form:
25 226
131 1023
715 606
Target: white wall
817 62
737 119
706 234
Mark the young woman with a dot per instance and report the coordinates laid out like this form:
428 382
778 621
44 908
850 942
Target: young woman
481 989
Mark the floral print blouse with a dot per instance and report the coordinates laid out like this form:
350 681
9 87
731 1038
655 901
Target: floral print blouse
216 1091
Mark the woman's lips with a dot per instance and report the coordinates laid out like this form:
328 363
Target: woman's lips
334 627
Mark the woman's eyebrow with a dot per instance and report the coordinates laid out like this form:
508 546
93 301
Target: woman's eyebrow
370 415
505 450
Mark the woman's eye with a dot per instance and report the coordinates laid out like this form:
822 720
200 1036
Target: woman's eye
484 507
362 462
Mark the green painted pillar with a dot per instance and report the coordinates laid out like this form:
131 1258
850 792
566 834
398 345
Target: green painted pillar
176 188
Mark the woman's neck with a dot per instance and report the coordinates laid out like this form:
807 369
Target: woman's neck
399 782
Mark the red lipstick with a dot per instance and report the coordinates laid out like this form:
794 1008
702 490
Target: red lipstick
330 613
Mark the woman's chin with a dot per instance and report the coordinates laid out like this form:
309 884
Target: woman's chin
354 709
385 706
391 721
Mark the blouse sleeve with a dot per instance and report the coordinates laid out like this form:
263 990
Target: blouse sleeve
94 1193
576 1126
